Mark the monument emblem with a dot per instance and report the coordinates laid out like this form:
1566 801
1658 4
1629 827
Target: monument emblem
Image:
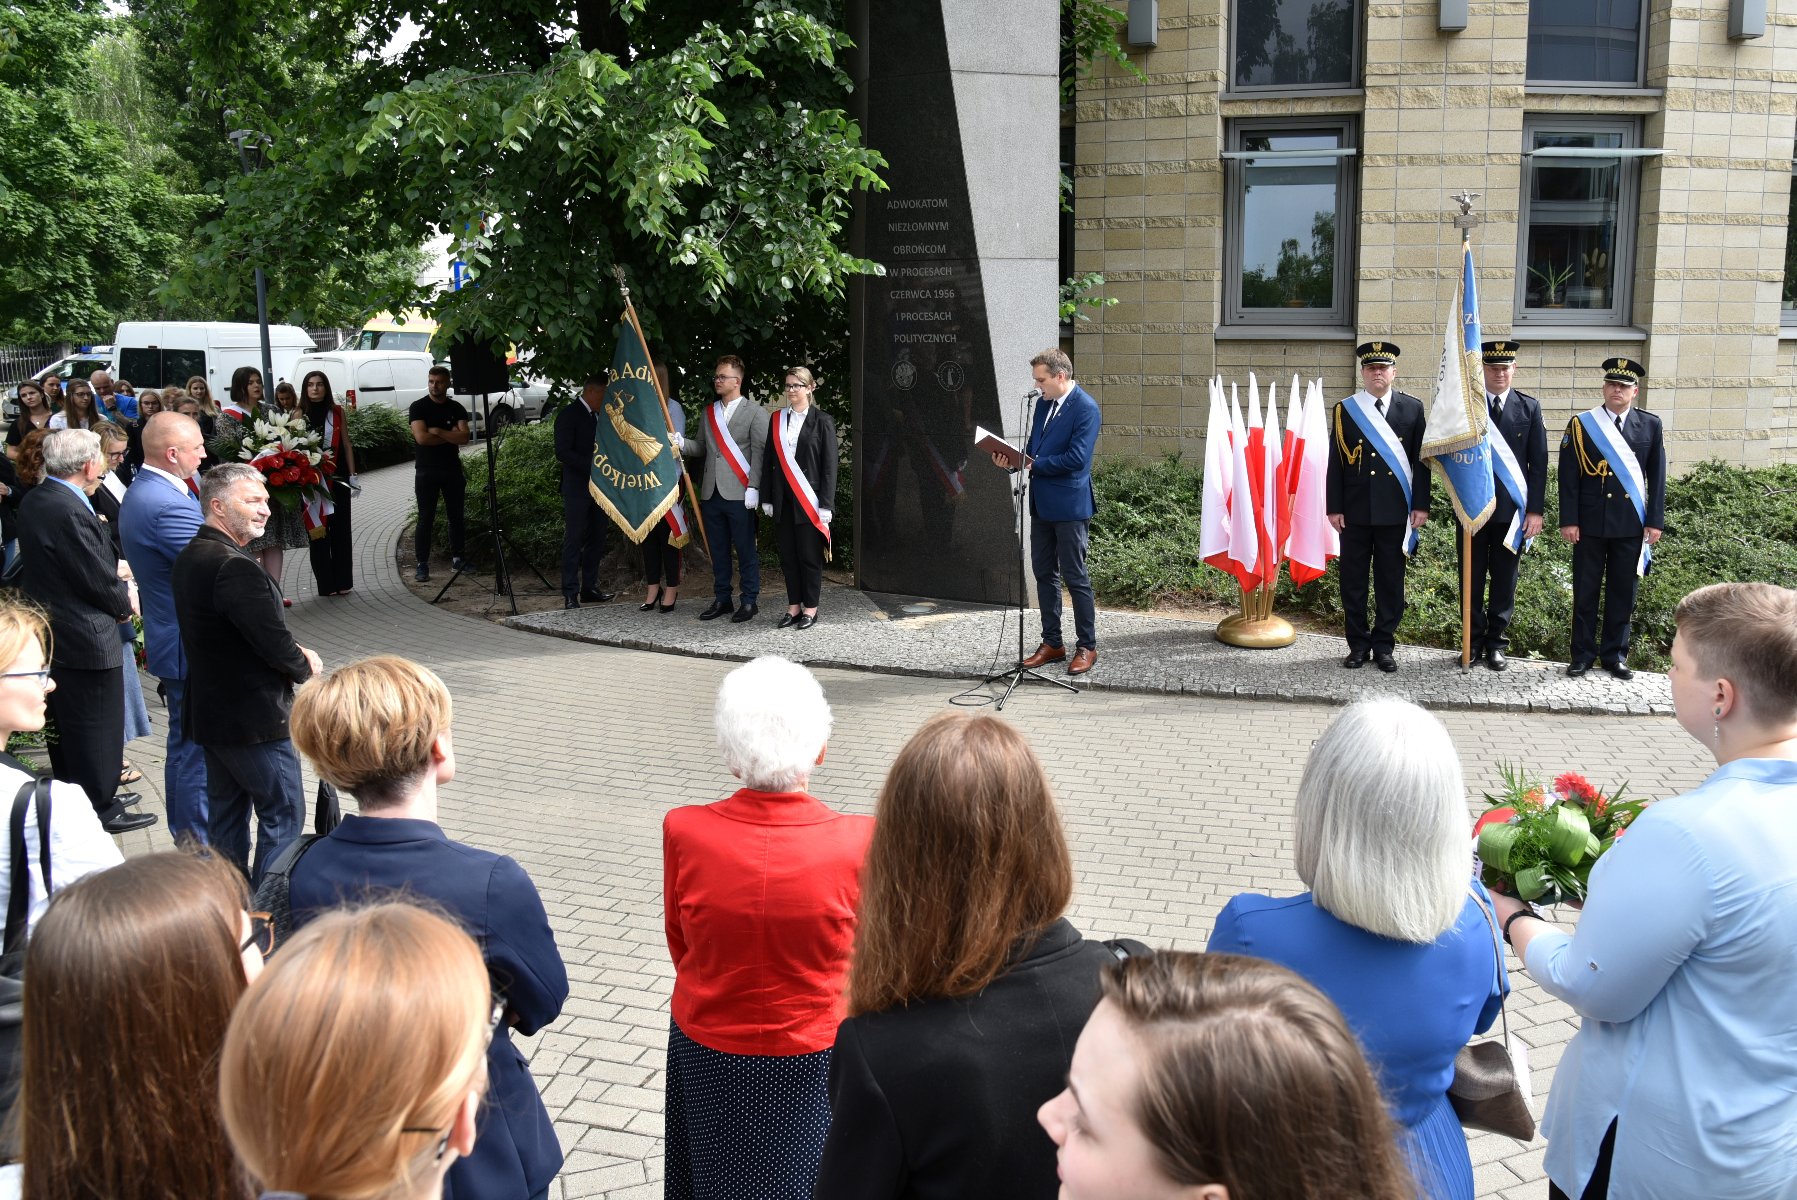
904 374
951 376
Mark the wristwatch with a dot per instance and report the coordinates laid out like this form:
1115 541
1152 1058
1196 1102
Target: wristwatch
1530 911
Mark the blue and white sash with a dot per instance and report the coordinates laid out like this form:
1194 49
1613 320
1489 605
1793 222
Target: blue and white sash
1600 427
1509 473
1373 425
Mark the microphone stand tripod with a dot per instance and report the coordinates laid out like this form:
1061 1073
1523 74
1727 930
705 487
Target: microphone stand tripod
1020 490
502 579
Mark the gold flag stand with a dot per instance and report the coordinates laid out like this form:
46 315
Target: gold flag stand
1256 627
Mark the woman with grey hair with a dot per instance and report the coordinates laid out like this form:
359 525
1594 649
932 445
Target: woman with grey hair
1394 928
760 894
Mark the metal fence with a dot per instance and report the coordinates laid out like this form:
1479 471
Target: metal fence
22 362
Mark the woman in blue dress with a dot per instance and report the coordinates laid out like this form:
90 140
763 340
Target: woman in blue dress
1393 930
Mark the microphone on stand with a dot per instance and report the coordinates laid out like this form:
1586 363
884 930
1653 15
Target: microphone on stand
1033 394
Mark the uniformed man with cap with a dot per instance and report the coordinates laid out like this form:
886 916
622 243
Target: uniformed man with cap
1612 508
1378 494
1519 450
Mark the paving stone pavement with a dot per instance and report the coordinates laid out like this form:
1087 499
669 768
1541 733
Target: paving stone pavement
569 753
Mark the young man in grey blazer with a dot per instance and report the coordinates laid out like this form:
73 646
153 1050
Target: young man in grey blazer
732 439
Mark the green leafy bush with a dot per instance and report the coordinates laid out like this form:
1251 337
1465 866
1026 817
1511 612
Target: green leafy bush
1722 524
381 435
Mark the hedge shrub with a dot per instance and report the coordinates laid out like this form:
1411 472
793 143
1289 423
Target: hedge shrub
381 435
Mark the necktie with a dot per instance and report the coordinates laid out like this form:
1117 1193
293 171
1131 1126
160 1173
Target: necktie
1054 407
192 485
1618 421
1379 407
1497 409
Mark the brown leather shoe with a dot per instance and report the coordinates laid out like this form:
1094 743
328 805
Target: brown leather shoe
1083 660
1045 654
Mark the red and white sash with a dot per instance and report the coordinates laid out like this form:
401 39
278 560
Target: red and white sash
727 448
677 521
795 479
231 410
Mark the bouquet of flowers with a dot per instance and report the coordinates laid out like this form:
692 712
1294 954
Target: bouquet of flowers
1539 844
290 455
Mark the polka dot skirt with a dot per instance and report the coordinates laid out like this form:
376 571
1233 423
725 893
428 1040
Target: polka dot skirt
743 1126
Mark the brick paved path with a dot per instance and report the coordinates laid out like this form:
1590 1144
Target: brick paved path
569 754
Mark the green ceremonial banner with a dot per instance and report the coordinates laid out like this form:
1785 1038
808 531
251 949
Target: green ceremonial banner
636 470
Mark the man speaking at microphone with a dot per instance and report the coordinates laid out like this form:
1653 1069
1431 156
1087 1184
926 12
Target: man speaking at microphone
1063 436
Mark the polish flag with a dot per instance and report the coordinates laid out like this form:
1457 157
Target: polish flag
1272 491
1244 542
1290 464
1213 513
1313 541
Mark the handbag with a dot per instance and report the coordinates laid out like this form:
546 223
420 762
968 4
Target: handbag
1490 1090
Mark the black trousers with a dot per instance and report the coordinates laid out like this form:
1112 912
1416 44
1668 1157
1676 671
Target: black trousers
333 557
583 543
661 561
1598 1186
1609 564
1380 548
452 487
801 557
88 707
1494 570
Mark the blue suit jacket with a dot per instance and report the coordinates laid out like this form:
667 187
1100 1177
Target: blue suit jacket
516 1154
1061 479
156 521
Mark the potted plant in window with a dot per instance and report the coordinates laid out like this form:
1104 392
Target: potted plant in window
1593 294
1553 283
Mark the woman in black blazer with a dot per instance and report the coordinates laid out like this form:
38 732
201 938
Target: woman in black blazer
802 440
968 989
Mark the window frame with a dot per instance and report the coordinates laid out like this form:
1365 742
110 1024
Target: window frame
1588 85
1628 210
1787 317
1356 63
1347 216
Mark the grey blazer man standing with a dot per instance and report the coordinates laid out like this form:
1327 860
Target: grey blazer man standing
728 500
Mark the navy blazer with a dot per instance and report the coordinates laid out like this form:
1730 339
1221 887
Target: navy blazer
1061 476
1359 486
1590 497
70 569
516 1153
1522 427
576 428
157 518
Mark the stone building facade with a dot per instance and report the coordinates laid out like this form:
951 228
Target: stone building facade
1280 186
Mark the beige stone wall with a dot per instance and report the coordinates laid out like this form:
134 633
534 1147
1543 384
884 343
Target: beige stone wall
1440 113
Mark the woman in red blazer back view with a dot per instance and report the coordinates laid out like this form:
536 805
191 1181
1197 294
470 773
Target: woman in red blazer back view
760 891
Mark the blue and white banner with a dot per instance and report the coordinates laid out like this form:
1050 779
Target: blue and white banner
1385 440
1454 439
1509 473
1600 427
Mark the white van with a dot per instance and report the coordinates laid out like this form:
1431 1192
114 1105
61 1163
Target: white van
158 354
393 378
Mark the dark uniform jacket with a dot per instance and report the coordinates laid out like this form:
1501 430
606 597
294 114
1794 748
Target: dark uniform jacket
576 427
72 569
815 459
1590 495
1362 486
1523 429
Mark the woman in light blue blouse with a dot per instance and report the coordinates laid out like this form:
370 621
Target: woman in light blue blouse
1393 929
1682 1080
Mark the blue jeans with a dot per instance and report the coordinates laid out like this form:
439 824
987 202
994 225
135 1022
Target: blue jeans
264 777
731 530
183 771
1057 552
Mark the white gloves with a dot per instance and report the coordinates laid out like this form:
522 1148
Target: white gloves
355 484
751 499
824 514
767 510
679 442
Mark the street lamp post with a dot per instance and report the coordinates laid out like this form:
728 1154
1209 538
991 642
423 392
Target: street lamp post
252 149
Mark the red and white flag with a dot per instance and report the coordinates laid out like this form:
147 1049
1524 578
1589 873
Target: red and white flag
1313 541
1271 491
1213 508
1244 542
1290 462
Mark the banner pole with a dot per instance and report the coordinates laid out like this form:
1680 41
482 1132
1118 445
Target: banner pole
666 415
1466 597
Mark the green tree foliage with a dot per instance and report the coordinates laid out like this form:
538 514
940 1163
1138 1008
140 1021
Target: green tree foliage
89 223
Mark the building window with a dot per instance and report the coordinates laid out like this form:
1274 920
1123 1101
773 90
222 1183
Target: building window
1290 217
1579 207
1787 308
1591 43
1285 44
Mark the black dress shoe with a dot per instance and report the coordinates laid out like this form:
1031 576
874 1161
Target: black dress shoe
1496 661
595 596
128 799
422 573
570 602
668 607
745 613
718 608
1577 669
1619 670
647 605
1356 659
125 822
805 622
1384 661
786 620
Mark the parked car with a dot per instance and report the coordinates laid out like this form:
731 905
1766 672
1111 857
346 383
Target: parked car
393 378
522 401
168 353
79 365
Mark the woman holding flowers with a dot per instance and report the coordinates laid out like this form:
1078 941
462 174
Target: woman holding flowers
332 563
233 427
1394 929
1682 1080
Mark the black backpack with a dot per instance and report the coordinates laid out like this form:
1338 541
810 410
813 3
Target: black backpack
272 894
12 957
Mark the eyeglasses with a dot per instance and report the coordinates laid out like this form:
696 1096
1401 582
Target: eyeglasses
262 934
797 387
42 677
720 378
492 1028
115 456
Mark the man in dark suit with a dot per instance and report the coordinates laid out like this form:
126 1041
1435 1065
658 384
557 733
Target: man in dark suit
728 496
1378 492
71 570
242 665
583 525
157 519
1613 509
1063 438
1516 420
